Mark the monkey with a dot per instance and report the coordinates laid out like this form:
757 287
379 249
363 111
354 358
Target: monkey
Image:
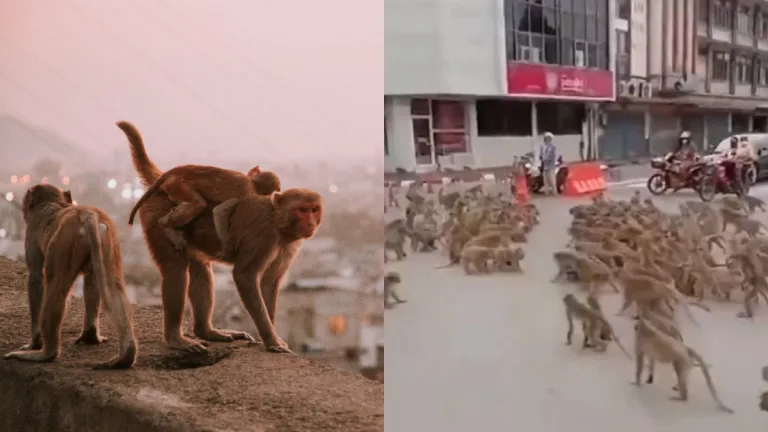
508 258
592 322
753 203
186 273
192 187
390 280
267 233
447 200
491 240
476 256
663 348
394 238
62 241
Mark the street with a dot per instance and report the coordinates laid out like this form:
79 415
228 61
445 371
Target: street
487 353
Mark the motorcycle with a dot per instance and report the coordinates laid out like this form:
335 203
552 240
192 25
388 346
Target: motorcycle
669 175
534 177
719 177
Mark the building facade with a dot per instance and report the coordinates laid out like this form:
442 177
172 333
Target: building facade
476 82
685 64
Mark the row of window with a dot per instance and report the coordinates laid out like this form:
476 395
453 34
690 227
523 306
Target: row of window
527 47
748 19
742 68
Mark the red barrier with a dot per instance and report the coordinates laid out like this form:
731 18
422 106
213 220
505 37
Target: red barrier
584 178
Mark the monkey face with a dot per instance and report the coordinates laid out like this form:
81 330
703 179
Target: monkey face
44 194
299 212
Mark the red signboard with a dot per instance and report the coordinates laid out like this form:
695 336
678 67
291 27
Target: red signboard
559 82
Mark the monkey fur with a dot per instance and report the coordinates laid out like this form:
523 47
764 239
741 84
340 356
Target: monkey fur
192 187
62 241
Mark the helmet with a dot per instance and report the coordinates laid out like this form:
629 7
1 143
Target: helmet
548 135
685 137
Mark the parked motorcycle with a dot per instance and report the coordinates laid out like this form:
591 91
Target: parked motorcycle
534 177
669 175
719 177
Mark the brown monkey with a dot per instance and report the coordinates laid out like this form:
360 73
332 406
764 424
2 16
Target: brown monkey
753 203
507 258
394 238
476 256
62 241
192 187
185 272
663 348
267 233
593 324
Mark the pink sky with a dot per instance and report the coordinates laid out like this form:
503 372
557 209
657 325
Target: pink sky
217 78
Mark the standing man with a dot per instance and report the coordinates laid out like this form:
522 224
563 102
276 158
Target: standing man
548 162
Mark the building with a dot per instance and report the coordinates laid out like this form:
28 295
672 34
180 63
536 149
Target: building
474 82
685 64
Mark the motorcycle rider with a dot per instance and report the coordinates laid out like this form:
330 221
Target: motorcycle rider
686 154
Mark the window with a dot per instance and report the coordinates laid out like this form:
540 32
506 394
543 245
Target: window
560 118
546 31
744 20
337 325
622 53
503 117
448 125
762 27
743 70
622 9
762 74
722 14
721 66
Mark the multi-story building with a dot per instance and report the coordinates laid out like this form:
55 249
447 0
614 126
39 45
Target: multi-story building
686 64
475 82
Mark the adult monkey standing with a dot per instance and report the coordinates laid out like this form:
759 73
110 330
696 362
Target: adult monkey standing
188 272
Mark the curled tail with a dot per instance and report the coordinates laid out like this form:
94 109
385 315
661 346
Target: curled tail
147 170
147 194
112 297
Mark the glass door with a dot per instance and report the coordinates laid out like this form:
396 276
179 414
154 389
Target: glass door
422 141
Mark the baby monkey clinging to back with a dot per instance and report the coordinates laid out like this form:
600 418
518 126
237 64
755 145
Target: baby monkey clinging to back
192 187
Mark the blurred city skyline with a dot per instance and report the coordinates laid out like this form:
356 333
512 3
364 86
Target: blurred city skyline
267 82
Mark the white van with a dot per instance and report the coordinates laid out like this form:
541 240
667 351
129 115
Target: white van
759 143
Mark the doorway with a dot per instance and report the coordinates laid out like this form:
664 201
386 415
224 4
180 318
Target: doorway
440 129
425 151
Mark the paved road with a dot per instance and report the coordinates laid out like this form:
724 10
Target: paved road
487 353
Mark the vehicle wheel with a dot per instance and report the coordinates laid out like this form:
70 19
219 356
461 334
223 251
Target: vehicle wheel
752 174
657 184
707 188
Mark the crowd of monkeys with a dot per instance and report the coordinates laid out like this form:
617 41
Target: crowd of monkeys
475 228
660 262
191 215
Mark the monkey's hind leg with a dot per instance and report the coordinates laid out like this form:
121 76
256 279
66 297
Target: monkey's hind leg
57 287
190 205
221 216
92 300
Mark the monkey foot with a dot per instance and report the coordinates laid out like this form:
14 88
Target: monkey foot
743 315
278 346
221 335
32 356
90 337
115 363
185 344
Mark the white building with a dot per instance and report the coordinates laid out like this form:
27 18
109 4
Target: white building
475 82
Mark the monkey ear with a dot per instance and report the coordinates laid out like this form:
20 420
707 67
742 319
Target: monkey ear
276 198
254 171
68 196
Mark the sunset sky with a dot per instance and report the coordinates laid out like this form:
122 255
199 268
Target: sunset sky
203 80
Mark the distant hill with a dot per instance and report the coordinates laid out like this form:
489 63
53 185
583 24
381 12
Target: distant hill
22 144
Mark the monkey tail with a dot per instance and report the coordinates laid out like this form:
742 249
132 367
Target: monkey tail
113 298
147 194
708 378
147 170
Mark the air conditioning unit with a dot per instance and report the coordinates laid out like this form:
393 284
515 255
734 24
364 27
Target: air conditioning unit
686 84
530 54
578 58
